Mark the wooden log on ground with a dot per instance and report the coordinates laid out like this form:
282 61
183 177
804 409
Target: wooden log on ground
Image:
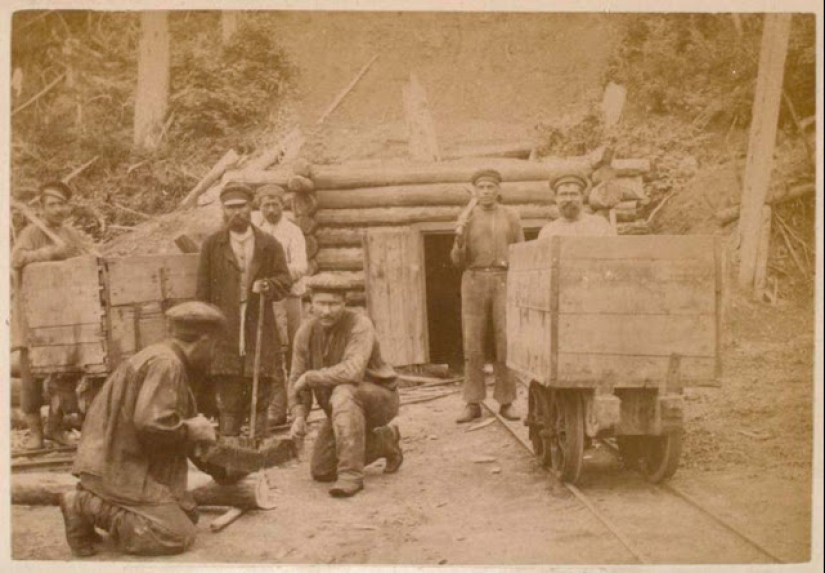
460 171
410 215
44 488
226 162
729 214
429 195
225 519
346 259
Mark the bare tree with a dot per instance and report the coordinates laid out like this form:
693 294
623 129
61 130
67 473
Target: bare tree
152 93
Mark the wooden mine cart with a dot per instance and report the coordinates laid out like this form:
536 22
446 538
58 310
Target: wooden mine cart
609 330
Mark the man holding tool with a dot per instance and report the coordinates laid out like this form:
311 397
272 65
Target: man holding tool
47 240
241 270
137 436
484 232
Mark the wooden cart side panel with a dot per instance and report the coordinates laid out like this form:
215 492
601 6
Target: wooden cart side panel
589 370
639 247
86 356
150 278
63 293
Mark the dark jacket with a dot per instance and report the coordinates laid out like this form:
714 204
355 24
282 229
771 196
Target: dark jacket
219 284
133 449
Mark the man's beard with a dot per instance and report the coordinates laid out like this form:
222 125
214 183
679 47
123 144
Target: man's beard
570 210
238 224
273 217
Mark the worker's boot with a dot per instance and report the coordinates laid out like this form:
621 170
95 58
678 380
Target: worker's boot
508 412
390 437
346 488
230 428
80 530
54 423
471 412
34 441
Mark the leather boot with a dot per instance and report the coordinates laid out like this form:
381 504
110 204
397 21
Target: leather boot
346 488
54 423
390 437
508 412
471 412
34 441
80 531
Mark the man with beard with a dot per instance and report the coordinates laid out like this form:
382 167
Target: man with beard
483 235
138 434
569 191
337 360
238 265
34 246
289 311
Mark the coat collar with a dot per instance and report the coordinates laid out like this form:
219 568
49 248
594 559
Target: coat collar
257 254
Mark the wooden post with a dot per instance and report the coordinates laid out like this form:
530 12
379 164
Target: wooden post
762 139
763 248
420 126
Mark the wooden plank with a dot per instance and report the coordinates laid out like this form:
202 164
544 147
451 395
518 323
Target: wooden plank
395 294
630 371
621 286
122 335
650 335
345 259
553 317
62 293
45 358
639 247
62 335
151 278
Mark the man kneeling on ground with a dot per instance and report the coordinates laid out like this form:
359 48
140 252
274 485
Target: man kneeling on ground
336 358
138 433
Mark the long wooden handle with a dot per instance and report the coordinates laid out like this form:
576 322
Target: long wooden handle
35 220
256 367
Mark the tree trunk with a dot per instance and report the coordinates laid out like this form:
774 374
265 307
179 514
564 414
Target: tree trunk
229 25
423 143
728 214
426 195
229 159
761 141
152 93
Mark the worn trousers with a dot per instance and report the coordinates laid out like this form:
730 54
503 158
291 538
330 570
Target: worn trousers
289 313
234 401
160 530
346 442
61 387
484 304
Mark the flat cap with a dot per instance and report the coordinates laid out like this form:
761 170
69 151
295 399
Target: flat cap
236 194
270 190
196 315
491 174
580 180
56 189
327 283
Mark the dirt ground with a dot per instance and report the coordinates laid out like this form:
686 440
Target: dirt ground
747 456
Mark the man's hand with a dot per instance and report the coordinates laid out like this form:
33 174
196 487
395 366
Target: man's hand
299 427
301 383
200 429
262 286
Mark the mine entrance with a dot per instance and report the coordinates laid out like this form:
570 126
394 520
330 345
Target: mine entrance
443 286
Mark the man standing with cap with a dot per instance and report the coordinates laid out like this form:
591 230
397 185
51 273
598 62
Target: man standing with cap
569 191
483 235
337 360
33 246
289 311
238 265
137 436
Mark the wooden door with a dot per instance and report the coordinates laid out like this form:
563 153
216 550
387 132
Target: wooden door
394 280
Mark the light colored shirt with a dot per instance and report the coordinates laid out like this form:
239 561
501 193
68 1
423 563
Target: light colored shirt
243 247
586 225
295 248
487 237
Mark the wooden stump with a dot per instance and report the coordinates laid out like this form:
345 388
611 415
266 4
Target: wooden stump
252 492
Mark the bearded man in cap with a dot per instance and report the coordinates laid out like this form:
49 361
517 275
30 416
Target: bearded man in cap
569 192
33 246
238 265
137 436
337 361
484 233
289 311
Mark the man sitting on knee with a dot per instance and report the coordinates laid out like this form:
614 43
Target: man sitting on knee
336 358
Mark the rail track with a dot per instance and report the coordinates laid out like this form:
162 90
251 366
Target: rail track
669 490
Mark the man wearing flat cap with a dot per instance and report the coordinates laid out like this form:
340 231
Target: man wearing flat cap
484 233
33 246
238 265
337 361
132 460
289 311
569 191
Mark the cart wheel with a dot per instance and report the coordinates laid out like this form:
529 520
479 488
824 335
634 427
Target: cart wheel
659 455
629 447
536 421
566 434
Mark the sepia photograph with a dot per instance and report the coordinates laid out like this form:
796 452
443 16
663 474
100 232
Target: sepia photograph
410 284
